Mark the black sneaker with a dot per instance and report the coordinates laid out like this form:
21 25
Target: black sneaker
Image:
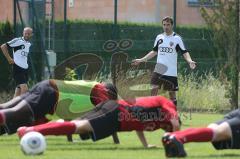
2 130
173 148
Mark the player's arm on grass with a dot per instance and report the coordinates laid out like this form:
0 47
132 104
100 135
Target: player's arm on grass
4 49
143 140
150 55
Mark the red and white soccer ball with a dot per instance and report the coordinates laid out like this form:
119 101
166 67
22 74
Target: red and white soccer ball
33 143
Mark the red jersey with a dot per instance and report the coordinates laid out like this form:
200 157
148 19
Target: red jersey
146 113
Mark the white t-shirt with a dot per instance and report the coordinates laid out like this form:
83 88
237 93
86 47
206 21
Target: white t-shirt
167 48
20 51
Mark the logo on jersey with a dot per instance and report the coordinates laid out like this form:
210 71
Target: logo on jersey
160 41
24 53
166 49
171 43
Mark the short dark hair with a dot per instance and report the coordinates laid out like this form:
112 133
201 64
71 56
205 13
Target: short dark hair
168 19
112 91
102 92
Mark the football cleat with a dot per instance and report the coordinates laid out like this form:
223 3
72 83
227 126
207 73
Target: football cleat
173 147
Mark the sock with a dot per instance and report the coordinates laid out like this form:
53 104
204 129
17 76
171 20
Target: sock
2 118
56 128
194 135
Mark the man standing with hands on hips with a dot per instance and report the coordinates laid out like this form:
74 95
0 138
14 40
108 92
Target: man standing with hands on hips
166 46
20 47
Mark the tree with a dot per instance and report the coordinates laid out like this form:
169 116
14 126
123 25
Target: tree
223 19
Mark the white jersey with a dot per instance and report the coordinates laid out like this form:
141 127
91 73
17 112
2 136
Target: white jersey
167 48
20 51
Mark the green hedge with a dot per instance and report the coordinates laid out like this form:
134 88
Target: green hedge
90 36
85 36
6 34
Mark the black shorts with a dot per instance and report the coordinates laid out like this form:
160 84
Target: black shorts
103 119
233 119
20 115
42 98
20 75
168 83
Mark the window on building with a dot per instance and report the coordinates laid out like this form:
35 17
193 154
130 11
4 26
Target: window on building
196 3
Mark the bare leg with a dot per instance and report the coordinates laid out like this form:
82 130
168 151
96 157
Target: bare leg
82 126
154 90
175 124
173 97
20 89
221 132
24 88
17 92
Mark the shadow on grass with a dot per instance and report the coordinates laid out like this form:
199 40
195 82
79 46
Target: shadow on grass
101 148
81 144
217 156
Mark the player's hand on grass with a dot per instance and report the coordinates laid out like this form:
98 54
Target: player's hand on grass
149 146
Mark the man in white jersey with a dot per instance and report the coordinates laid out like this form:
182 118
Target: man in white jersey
20 47
166 47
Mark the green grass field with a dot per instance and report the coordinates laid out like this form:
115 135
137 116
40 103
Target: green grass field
130 147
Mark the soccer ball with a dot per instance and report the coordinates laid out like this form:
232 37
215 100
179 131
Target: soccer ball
33 143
